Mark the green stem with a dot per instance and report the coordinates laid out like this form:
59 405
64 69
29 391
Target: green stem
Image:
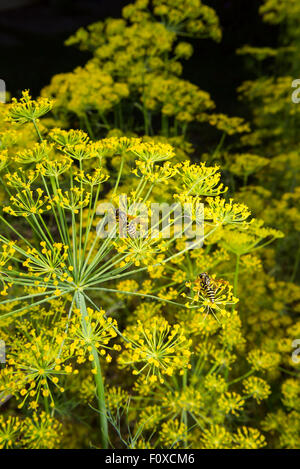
240 378
46 402
236 275
37 130
88 126
220 145
119 174
101 400
184 412
80 301
288 372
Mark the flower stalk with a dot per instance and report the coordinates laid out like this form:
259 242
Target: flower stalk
81 304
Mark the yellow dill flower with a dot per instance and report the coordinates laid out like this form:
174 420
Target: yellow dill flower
195 323
219 212
291 394
222 358
140 444
193 17
231 334
231 403
73 199
36 362
184 50
49 261
179 276
40 151
155 271
41 432
140 250
251 263
188 399
285 426
173 433
206 261
108 146
97 330
150 417
215 437
68 137
53 168
176 97
248 438
246 164
71 92
251 238
83 386
256 387
201 180
145 311
157 174
229 125
168 293
215 383
21 179
262 360
156 350
274 420
10 428
27 203
7 252
116 398
80 151
147 287
28 110
124 145
92 179
128 286
142 386
10 137
151 152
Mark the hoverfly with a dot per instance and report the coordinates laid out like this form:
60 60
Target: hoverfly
206 285
211 288
126 221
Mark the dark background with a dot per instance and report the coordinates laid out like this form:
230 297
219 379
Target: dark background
32 44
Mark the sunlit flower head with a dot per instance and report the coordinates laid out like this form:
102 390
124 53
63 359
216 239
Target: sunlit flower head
156 350
27 109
